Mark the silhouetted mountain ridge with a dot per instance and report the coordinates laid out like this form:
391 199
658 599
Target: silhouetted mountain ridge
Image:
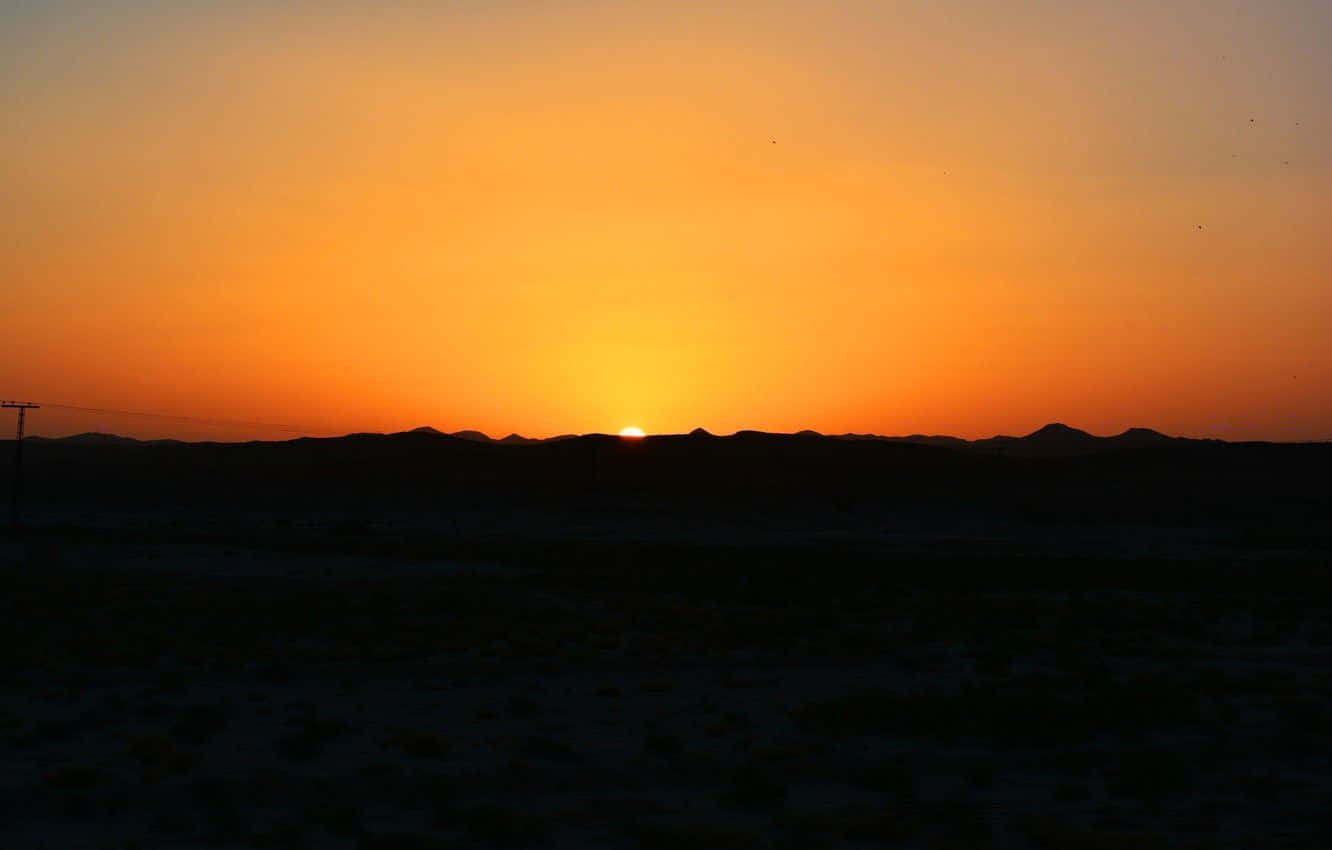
481 437
1052 472
99 438
1053 440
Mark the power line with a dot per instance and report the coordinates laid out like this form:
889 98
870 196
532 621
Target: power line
198 420
22 407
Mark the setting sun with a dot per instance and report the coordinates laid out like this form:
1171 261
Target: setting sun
968 217
988 337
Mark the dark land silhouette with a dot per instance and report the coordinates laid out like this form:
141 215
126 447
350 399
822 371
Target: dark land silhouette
1055 473
428 640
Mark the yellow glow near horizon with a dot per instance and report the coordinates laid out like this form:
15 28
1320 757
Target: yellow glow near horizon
632 432
902 216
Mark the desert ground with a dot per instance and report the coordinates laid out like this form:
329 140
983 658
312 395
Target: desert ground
357 685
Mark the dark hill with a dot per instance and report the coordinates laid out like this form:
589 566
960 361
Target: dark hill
1140 437
474 436
1051 441
92 438
934 440
1154 477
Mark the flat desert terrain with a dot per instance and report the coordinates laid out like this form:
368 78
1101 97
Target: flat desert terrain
333 693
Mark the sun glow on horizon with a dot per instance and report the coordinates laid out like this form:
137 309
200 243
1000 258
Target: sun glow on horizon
632 432
541 218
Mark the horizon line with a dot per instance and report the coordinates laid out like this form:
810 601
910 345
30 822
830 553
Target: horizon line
514 438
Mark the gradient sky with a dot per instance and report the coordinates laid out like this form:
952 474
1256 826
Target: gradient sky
547 217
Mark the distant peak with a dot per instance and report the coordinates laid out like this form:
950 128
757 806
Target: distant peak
808 433
98 437
475 436
425 429
1057 429
700 432
516 438
1142 437
1142 432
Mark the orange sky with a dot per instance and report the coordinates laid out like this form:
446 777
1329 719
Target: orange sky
549 218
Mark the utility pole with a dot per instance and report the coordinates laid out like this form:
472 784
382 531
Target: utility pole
22 407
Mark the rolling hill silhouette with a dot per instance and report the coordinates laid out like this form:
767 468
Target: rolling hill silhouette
1056 470
1053 440
1059 440
480 437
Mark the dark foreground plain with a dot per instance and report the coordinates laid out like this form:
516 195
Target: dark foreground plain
1106 658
